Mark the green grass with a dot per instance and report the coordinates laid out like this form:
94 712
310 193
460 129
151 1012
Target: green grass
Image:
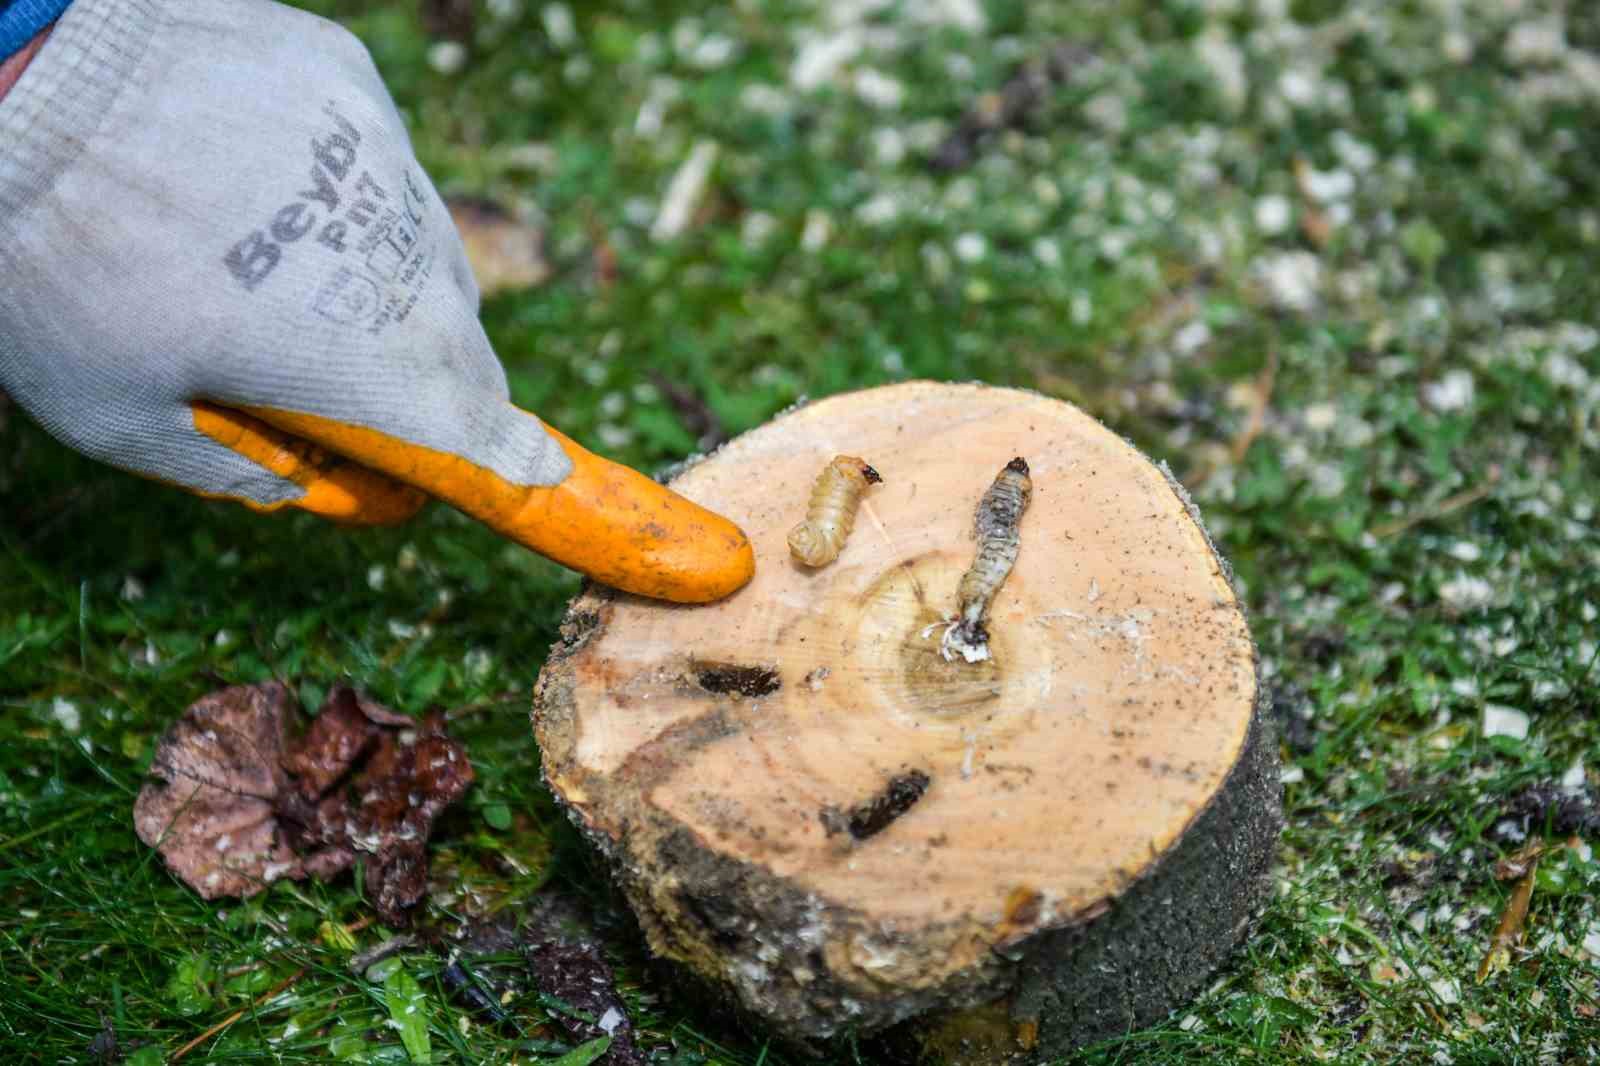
1411 549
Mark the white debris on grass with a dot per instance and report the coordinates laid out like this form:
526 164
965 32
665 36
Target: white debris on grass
1114 244
1292 280
878 89
1328 480
1537 42
765 99
1321 417
820 57
1452 392
1328 186
1465 591
1562 369
888 146
377 576
652 114
1591 941
1465 550
962 14
447 57
684 192
559 25
1574 778
1299 86
1546 689
1502 721
477 663
1226 64
1192 337
132 590
1107 110
756 228
971 247
576 70
610 1021
879 211
66 714
1357 155
713 51
1274 214
816 231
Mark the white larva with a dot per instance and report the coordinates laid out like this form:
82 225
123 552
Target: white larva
999 515
832 512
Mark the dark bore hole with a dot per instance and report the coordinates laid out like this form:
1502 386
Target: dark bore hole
873 816
724 678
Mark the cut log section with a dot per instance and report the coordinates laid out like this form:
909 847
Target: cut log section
810 807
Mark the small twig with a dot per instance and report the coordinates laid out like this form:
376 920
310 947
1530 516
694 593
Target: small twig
1255 423
693 410
1258 409
1314 222
1448 505
265 997
1512 920
378 952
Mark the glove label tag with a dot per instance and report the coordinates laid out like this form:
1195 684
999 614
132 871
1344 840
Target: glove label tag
353 216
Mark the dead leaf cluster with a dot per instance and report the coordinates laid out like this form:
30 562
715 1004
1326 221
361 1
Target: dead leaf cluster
236 801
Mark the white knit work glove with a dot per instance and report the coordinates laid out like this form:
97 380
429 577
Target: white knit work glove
222 267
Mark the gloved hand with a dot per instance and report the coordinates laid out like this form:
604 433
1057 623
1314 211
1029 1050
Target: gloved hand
221 267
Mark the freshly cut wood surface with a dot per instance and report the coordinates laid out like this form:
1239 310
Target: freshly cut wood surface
806 803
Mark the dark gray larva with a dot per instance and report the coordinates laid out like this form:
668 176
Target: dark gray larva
999 515
832 512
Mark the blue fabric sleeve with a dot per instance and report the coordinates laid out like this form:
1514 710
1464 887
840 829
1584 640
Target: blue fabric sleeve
21 20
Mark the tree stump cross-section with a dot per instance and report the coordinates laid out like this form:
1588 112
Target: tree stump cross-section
813 810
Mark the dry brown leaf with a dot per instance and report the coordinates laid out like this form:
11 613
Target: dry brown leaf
210 808
505 252
233 805
405 786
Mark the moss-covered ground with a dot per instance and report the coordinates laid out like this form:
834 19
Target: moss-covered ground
1334 262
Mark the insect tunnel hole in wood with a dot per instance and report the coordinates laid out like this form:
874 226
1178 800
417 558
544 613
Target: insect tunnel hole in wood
816 808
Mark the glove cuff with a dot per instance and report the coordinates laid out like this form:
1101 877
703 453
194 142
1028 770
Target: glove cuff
67 92
22 21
